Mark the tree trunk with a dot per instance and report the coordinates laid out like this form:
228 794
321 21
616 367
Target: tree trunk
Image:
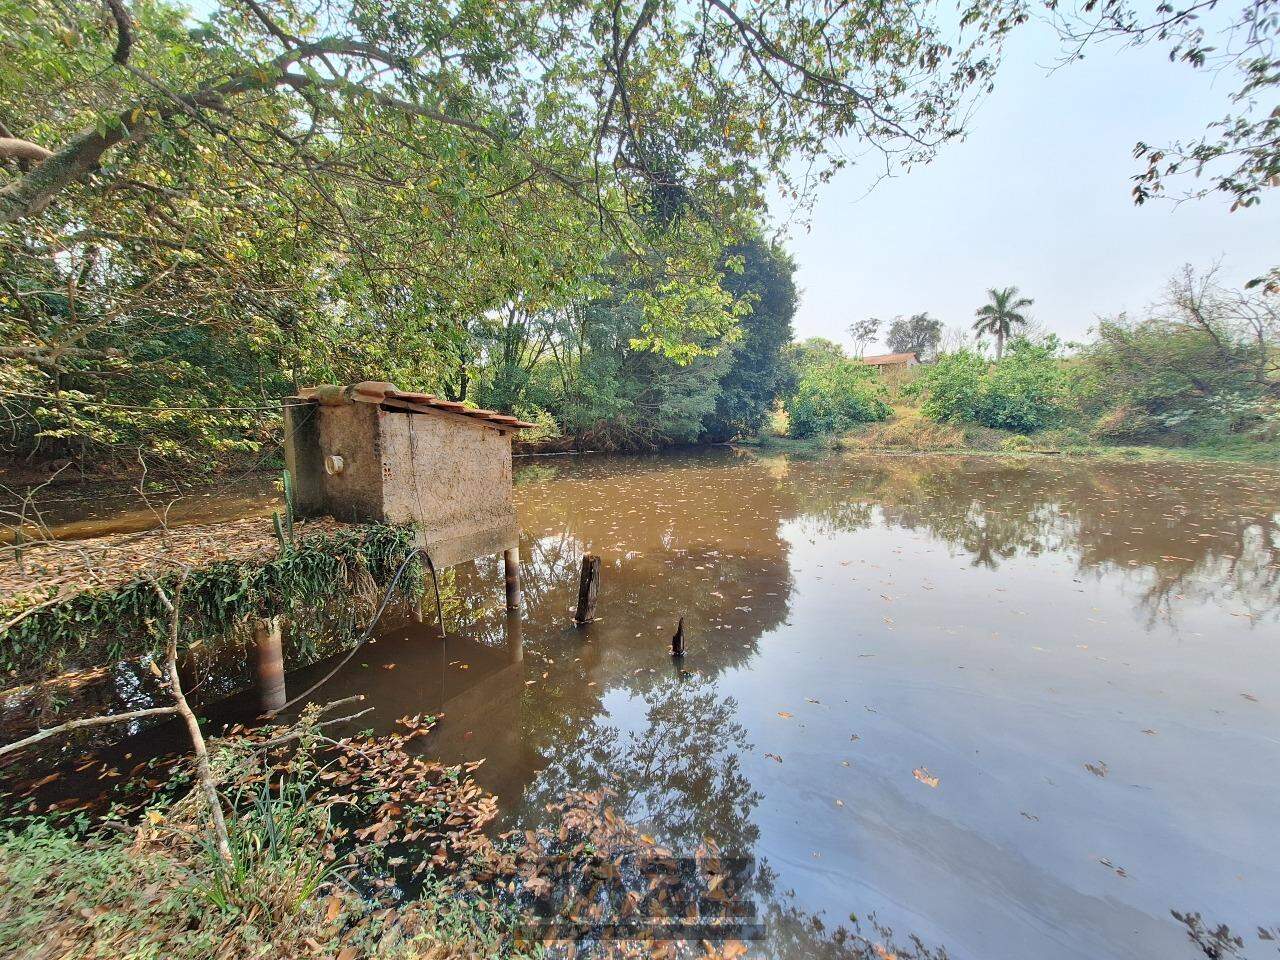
204 774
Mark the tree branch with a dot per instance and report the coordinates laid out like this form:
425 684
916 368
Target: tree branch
11 148
70 725
124 31
204 774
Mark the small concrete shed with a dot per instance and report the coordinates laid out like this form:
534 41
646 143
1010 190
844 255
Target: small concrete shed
371 452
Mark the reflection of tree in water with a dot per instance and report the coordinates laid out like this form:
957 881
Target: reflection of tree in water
680 778
1218 942
1179 531
692 536
793 933
679 775
990 513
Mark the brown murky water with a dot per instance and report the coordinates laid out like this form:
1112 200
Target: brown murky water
1018 709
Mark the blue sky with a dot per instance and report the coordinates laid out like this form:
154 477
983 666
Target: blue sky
1037 196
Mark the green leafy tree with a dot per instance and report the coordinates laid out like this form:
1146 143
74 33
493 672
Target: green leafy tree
384 188
952 387
799 358
1025 391
755 374
1201 366
831 397
918 334
998 318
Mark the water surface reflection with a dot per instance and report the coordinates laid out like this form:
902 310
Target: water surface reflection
1083 655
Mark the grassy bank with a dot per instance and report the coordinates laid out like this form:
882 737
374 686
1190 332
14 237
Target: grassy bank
908 431
317 830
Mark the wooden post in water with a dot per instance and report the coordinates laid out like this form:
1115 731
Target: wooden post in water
588 587
269 663
677 641
511 567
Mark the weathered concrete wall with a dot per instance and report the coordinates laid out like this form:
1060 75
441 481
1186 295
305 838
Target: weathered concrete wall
350 431
449 474
452 476
303 459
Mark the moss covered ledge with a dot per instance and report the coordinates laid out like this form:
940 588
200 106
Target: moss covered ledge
82 604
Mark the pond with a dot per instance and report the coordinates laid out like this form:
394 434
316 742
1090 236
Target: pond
1018 708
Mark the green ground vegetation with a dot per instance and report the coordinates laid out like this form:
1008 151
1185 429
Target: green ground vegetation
317 829
325 583
1198 376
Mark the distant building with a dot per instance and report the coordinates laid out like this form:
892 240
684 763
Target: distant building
892 361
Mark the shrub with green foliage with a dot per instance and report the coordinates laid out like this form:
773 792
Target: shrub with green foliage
832 397
1159 380
1025 391
952 387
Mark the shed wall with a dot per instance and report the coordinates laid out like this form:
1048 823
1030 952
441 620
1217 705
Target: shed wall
453 478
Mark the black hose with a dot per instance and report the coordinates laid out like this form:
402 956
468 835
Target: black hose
368 631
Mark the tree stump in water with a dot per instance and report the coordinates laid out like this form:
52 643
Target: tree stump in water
677 641
588 587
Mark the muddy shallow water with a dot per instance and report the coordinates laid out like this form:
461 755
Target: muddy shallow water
1017 709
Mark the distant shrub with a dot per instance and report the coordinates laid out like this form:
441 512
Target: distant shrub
1026 391
1017 442
1201 367
831 397
952 387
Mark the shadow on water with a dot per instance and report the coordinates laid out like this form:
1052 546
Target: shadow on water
1081 657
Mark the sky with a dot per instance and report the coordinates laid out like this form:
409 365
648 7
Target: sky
1037 196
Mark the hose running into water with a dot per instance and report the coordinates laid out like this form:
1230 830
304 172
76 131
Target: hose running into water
368 631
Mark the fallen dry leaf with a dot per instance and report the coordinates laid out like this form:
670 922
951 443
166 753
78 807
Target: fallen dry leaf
924 776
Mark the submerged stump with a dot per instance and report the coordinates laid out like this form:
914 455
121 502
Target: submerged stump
588 588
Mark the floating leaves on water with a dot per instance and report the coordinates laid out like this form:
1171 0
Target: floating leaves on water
924 776
1119 871
784 714
1030 816
1250 697
774 756
1098 769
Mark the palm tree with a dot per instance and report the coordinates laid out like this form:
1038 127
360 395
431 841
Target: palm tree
998 317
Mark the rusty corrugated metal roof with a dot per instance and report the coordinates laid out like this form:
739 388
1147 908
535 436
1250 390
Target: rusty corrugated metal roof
889 358
389 397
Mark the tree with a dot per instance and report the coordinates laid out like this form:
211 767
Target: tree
1024 391
1201 365
755 373
799 358
998 317
831 397
918 334
864 333
354 188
